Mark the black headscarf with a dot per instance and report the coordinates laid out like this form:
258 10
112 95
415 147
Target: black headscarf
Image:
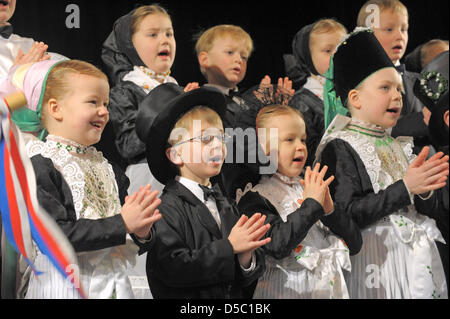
119 54
413 60
299 65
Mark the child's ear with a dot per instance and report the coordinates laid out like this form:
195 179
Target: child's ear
446 118
203 59
354 100
54 109
174 157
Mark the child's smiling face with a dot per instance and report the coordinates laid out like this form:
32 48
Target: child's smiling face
154 41
82 112
393 33
7 8
291 141
379 100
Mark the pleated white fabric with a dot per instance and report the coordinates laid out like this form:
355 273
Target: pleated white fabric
315 268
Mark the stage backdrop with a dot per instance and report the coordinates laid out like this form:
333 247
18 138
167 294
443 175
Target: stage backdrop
272 26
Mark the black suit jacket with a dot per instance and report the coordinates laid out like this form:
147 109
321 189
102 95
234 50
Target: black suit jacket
189 256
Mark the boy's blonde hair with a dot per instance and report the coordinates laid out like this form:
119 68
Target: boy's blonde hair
202 113
206 40
394 5
426 50
326 26
58 85
142 12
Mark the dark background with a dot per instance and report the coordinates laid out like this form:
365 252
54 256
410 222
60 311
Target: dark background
272 25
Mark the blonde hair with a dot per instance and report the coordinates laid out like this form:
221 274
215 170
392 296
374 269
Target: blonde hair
58 85
206 40
394 5
200 112
140 13
270 111
265 114
326 26
426 50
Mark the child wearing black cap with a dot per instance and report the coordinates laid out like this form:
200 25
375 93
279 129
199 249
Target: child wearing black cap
378 180
202 248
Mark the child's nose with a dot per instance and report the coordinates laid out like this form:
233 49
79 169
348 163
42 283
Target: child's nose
103 111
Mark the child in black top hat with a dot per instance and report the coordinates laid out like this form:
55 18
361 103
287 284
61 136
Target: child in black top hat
432 90
378 180
202 248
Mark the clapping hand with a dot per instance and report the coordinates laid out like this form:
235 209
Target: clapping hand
316 188
424 176
140 211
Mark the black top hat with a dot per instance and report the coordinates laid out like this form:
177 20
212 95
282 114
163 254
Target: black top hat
357 57
158 113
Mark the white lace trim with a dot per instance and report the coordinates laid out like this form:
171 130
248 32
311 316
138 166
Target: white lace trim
75 170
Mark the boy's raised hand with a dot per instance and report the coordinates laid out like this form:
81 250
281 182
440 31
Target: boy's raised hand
140 211
424 176
246 235
191 86
316 188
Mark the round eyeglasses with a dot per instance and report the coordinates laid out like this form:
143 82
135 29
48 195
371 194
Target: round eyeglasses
207 139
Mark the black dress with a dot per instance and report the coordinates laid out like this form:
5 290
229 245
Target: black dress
379 215
189 256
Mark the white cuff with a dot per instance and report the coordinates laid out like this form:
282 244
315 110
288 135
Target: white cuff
145 240
252 265
428 197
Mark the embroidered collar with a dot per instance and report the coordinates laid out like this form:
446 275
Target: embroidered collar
288 180
68 145
153 74
366 128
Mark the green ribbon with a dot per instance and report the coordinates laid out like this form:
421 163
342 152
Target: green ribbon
30 121
333 104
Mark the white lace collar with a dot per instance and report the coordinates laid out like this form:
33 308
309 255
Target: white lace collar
316 85
288 180
88 174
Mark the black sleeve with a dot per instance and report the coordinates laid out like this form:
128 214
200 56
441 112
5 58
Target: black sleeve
181 266
352 190
436 207
285 235
123 109
55 197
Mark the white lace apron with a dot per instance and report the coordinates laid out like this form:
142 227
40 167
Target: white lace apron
400 247
314 268
95 195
